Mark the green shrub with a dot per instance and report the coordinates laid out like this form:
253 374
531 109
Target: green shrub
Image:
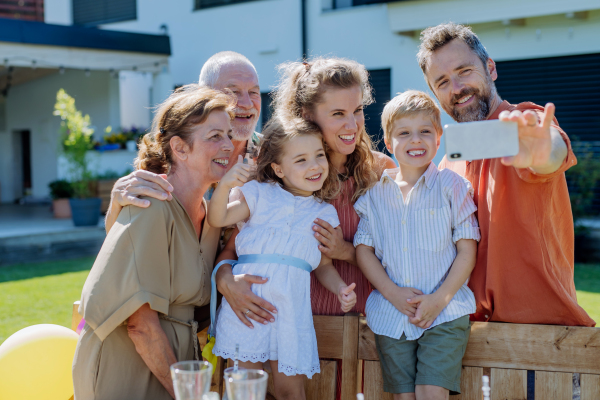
60 189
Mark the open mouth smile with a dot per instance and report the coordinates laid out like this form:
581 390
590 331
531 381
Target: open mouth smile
246 117
221 162
348 139
416 153
314 178
465 100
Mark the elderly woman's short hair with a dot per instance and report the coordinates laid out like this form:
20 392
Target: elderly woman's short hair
438 36
212 67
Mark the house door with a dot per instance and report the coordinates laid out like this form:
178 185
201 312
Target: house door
22 154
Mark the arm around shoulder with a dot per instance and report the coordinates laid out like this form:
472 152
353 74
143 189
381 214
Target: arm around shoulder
382 162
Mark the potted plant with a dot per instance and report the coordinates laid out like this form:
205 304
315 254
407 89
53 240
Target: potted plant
60 192
583 178
76 140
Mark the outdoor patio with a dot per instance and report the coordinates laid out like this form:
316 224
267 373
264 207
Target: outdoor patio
29 233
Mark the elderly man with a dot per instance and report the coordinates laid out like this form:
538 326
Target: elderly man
524 269
224 70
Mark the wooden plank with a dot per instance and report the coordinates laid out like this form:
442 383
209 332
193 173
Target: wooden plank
330 335
322 386
75 316
508 384
350 357
470 384
534 347
520 346
217 383
553 385
366 342
590 387
373 388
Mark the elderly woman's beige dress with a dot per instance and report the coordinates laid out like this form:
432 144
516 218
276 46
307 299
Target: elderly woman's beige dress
152 256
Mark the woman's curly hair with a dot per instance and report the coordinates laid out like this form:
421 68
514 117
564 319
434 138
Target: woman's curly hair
301 88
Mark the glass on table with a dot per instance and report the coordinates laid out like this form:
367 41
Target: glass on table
246 384
191 379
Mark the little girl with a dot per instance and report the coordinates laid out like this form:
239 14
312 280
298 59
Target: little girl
277 242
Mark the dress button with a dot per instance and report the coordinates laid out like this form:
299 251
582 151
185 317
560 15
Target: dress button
403 222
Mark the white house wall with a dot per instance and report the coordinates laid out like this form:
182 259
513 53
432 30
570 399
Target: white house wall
267 32
29 106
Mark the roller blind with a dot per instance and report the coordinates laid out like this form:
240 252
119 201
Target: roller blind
96 12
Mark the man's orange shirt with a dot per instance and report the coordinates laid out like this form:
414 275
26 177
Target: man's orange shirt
524 269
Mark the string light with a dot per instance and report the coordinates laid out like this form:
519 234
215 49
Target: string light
33 64
87 73
61 70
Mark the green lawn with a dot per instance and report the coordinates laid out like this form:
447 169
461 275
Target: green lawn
40 293
43 293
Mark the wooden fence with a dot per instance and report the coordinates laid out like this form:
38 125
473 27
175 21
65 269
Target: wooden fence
504 352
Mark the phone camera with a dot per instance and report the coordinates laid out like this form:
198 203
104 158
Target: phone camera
455 155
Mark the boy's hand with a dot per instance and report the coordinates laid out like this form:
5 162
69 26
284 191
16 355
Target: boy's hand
347 297
429 306
399 299
238 174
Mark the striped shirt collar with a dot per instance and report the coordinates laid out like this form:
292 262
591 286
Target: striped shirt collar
429 176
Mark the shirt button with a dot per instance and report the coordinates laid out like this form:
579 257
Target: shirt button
405 249
403 222
432 212
407 281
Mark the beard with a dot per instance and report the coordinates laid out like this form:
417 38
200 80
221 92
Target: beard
480 109
242 131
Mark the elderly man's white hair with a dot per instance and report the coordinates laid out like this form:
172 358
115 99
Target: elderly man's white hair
212 67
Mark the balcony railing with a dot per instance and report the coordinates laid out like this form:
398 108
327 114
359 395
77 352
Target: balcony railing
29 10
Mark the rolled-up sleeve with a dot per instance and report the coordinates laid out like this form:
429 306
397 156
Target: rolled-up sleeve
464 221
363 233
132 269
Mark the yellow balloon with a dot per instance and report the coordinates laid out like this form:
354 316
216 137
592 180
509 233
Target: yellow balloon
35 363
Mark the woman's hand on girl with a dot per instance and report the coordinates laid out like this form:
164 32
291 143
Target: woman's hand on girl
347 297
238 174
332 243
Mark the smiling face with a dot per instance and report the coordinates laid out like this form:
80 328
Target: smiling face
341 118
211 147
414 141
462 84
303 167
242 80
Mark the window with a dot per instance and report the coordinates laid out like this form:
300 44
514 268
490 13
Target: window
337 4
28 10
380 79
96 12
200 4
265 110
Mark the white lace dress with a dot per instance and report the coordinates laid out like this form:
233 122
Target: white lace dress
280 223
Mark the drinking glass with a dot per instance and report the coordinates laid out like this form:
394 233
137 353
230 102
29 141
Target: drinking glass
246 384
191 379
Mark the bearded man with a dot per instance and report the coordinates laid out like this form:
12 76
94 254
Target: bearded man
525 260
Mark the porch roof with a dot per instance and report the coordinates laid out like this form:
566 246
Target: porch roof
39 33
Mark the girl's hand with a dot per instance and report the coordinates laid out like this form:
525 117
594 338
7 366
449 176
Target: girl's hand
332 243
238 174
347 297
429 306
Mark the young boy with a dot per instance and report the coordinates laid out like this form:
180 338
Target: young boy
416 243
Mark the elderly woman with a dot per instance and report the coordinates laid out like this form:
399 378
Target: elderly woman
155 264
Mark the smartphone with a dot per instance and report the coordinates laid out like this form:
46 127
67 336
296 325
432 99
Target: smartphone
479 140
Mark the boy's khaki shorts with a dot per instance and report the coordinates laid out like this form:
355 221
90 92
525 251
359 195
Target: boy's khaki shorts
433 359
